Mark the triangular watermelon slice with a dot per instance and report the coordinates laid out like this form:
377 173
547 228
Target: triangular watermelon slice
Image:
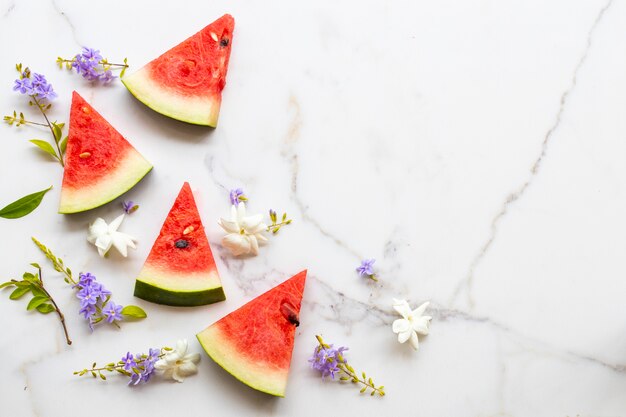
180 269
186 82
254 343
100 165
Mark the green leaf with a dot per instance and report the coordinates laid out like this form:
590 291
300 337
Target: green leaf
45 146
19 292
24 205
36 265
63 144
45 308
37 291
134 311
36 302
58 132
7 284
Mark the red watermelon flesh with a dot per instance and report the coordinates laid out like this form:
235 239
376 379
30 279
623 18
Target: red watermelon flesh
180 269
186 82
100 164
255 342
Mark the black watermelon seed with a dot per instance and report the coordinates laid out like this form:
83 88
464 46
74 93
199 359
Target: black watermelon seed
181 243
224 42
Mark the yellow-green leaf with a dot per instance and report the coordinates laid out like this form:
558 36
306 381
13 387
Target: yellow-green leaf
45 308
36 301
24 205
134 312
19 292
45 146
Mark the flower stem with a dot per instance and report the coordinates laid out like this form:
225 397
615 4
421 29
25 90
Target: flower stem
355 378
56 308
56 142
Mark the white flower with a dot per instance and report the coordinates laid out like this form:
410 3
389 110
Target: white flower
244 233
412 323
177 364
105 235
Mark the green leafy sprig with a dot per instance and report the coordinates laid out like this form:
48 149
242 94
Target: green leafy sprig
335 358
41 300
24 205
128 312
56 129
276 225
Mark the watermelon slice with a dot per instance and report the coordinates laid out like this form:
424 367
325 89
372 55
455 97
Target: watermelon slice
100 164
180 269
254 343
186 82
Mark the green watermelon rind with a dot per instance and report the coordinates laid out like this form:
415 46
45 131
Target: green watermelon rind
202 111
72 204
212 346
178 298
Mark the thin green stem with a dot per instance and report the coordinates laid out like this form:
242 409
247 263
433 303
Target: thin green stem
56 308
56 142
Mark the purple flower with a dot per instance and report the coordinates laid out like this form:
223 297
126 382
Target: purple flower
35 85
99 289
326 360
366 268
87 310
24 86
236 196
107 76
88 296
85 280
86 63
146 367
112 312
129 362
130 206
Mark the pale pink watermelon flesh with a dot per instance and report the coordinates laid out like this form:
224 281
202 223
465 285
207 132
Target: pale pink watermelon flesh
180 269
186 82
100 165
254 343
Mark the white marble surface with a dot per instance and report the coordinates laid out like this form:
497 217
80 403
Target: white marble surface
474 148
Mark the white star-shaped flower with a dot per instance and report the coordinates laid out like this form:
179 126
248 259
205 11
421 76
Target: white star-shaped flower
244 233
412 323
177 364
104 235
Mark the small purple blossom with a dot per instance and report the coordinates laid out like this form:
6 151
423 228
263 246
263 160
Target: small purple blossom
129 206
145 364
327 359
91 65
24 86
129 362
236 196
87 311
87 296
34 85
112 312
366 268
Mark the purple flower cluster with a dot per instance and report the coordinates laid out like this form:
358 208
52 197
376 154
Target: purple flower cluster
140 366
236 196
366 268
327 360
88 65
95 304
34 85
